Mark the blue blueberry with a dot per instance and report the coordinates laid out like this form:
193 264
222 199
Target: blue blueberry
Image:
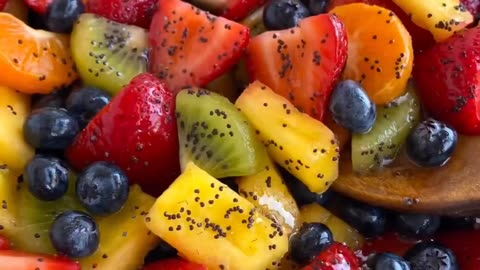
53 100
75 234
317 6
457 223
309 241
102 188
47 177
50 128
416 225
284 14
86 102
161 251
431 143
387 261
352 108
431 255
301 193
62 14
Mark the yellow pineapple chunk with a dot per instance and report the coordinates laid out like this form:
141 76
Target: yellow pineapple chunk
442 18
267 191
8 190
342 232
299 143
210 224
126 239
14 109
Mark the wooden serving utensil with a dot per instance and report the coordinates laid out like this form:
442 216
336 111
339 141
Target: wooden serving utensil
453 189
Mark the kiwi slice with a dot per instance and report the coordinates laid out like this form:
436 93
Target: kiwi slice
394 122
108 54
35 217
216 136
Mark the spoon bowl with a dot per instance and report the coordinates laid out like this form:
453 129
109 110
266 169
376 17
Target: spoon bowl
453 189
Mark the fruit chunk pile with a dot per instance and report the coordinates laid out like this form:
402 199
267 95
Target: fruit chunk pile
207 134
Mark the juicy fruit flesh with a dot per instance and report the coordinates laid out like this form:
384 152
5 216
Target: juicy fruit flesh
108 54
394 122
8 212
33 61
208 223
214 135
380 53
302 145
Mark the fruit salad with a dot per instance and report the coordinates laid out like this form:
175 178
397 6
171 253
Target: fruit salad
213 134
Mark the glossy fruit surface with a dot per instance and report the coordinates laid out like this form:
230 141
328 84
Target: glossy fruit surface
309 241
47 178
283 14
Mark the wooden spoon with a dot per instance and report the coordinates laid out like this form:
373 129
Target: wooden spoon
453 189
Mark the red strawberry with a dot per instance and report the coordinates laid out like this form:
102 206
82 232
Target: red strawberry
39 6
389 242
301 63
448 80
336 257
174 264
421 38
465 246
4 243
473 6
16 260
3 4
135 12
191 47
230 9
138 132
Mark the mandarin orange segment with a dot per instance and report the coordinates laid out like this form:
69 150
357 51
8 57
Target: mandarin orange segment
33 61
380 53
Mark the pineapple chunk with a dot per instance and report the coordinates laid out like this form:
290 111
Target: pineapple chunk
125 238
14 109
8 190
267 191
299 143
210 224
342 232
441 18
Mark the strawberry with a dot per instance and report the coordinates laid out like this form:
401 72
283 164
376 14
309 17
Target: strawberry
191 47
16 260
448 81
137 131
174 264
4 243
231 9
388 242
3 4
39 6
336 256
135 12
465 246
302 63
421 38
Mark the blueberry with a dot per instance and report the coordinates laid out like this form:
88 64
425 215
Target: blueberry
62 14
161 251
416 225
317 6
284 14
75 234
352 108
431 255
86 102
309 241
47 178
387 261
53 100
368 220
301 193
50 128
431 143
102 188
457 223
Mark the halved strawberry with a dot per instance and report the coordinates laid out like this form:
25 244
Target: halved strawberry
448 81
136 12
137 131
39 6
302 63
16 260
336 256
230 9
191 47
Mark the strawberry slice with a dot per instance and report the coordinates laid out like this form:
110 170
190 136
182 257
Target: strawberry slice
174 264
16 260
230 9
39 6
135 12
336 257
4 243
302 63
465 246
448 80
137 131
191 47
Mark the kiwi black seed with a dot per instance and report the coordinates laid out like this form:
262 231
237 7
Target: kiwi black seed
216 136
108 54
381 145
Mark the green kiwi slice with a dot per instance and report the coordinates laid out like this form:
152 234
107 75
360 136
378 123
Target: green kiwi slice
216 136
394 122
108 54
35 217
